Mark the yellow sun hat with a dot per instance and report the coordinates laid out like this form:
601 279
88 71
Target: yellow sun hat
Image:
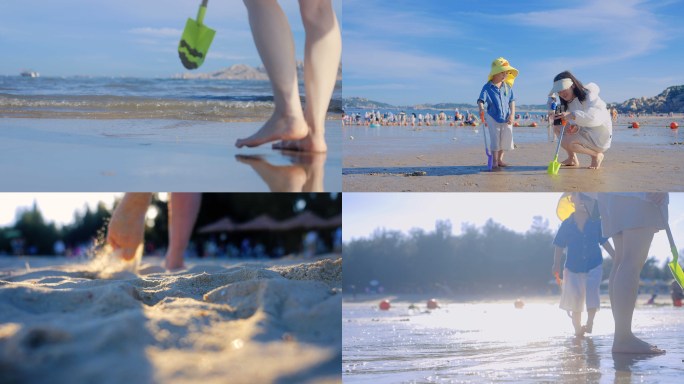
501 65
565 206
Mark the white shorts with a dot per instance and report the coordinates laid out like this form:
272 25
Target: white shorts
500 135
579 288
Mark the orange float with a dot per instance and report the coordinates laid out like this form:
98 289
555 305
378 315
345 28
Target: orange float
635 125
432 304
384 305
674 125
534 124
516 124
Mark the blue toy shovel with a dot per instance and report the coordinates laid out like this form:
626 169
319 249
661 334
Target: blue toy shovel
554 165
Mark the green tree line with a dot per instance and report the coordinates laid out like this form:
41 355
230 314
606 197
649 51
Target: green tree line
490 259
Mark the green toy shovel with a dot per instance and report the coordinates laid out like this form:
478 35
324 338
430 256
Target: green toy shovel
675 268
196 40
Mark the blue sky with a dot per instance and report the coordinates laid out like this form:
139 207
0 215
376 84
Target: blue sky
363 213
407 52
125 37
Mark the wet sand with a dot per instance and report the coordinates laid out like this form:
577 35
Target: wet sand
169 155
453 159
492 341
215 322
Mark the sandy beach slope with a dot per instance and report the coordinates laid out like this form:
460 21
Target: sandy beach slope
160 155
215 322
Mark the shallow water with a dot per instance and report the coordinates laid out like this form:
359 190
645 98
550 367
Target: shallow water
495 342
166 155
397 140
141 98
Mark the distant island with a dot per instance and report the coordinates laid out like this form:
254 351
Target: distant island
670 100
242 72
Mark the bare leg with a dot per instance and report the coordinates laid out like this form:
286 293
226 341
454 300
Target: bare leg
501 162
571 160
591 313
126 228
275 44
596 157
633 245
183 210
322 55
289 178
577 323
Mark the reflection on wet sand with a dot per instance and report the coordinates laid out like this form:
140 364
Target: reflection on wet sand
305 174
626 363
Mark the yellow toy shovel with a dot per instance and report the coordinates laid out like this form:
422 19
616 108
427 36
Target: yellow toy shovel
196 40
675 268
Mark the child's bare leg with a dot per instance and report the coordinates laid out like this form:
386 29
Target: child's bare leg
591 313
126 228
323 50
273 39
577 323
183 210
501 162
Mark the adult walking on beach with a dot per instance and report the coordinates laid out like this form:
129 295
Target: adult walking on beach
631 219
591 127
297 128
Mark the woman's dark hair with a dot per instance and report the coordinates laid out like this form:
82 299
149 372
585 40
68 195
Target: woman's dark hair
579 90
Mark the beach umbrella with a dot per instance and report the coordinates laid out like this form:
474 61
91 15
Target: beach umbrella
259 223
196 39
306 219
223 225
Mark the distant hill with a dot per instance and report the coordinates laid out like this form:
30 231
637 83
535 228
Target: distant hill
242 72
363 103
670 100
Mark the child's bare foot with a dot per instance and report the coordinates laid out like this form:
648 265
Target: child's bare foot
580 332
502 164
278 127
633 344
596 161
588 327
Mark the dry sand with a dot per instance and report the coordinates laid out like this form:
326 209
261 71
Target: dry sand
627 166
214 322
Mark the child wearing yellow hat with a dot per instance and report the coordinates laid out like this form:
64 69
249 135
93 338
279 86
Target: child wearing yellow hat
497 96
580 233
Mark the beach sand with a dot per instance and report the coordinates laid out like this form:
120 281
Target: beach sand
453 159
215 322
169 155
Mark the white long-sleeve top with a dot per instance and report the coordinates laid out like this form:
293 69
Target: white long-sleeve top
593 117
